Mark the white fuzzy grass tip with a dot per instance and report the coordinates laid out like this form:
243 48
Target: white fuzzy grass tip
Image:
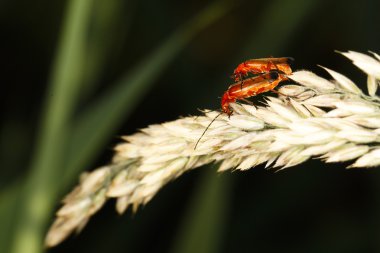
329 119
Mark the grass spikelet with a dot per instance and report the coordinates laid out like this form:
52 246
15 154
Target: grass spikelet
328 119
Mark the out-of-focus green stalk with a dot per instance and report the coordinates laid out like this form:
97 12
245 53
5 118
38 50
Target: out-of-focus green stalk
42 182
49 162
203 223
105 32
196 235
108 112
8 205
276 26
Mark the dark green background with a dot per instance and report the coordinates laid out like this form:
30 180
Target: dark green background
313 207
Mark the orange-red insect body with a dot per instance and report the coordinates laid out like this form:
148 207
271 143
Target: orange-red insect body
272 71
263 65
250 87
245 89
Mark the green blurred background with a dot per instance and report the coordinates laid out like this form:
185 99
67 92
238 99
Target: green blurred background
77 74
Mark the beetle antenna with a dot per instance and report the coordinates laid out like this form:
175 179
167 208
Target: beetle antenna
212 121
